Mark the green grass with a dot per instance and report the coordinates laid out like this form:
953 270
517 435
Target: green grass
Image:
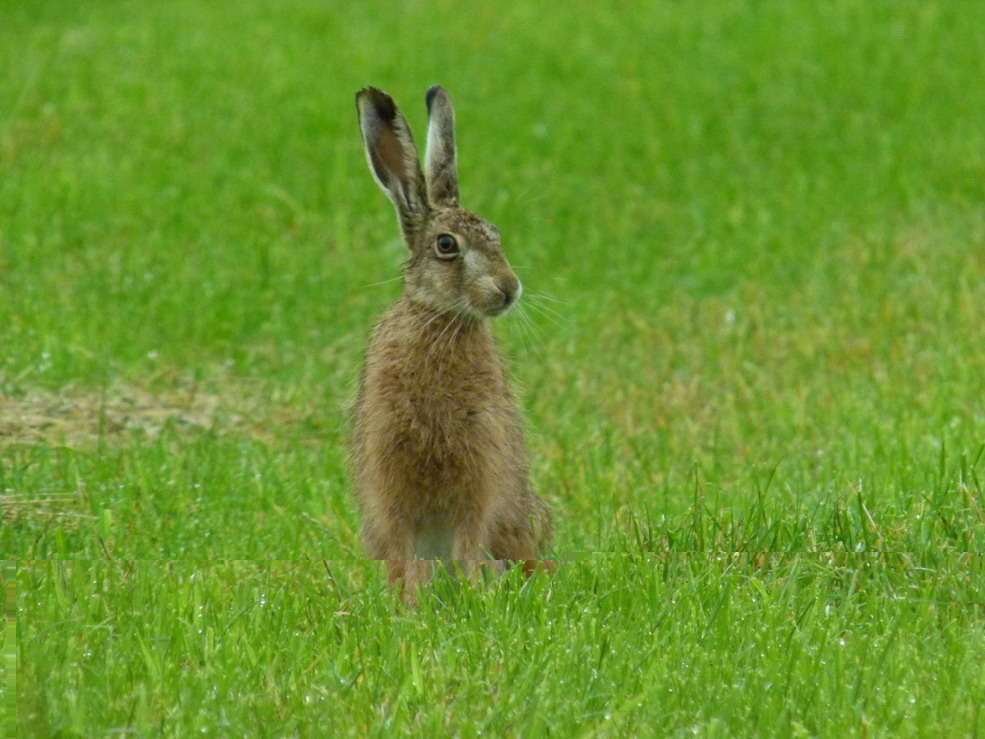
753 238
720 644
8 649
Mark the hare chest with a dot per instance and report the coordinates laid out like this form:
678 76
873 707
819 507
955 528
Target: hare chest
435 441
442 443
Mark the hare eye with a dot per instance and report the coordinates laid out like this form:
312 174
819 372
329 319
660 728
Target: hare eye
446 247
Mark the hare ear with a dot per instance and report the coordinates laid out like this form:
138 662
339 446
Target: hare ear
439 160
392 155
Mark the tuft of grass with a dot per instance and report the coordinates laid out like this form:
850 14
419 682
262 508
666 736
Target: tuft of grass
750 352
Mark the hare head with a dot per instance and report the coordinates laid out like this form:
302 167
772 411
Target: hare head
456 260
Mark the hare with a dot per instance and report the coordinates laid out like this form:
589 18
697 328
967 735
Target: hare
438 459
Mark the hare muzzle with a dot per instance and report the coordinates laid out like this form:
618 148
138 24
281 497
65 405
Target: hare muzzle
509 292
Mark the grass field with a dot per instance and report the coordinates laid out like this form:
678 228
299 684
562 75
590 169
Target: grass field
751 357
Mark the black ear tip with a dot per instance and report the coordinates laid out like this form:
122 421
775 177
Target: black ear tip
432 93
381 102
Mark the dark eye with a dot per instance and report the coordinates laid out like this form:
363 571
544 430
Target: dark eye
446 247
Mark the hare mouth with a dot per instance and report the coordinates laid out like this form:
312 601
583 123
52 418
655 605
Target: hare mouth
497 311
487 309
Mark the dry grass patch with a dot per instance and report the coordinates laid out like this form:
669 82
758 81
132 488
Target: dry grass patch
79 418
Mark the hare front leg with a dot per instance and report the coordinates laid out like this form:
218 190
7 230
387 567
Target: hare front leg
470 542
394 544
408 575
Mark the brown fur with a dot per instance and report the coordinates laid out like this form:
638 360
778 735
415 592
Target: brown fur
438 458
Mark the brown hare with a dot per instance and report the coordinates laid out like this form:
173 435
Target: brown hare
438 458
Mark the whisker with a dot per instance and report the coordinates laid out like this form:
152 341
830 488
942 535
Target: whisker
458 330
423 323
537 300
532 199
440 311
547 314
545 296
520 325
383 282
529 333
450 310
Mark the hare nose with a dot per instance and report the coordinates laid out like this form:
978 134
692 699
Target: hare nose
511 290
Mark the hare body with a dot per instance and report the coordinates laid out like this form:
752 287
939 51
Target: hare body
438 457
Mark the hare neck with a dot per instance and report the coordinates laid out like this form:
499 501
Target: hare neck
430 325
